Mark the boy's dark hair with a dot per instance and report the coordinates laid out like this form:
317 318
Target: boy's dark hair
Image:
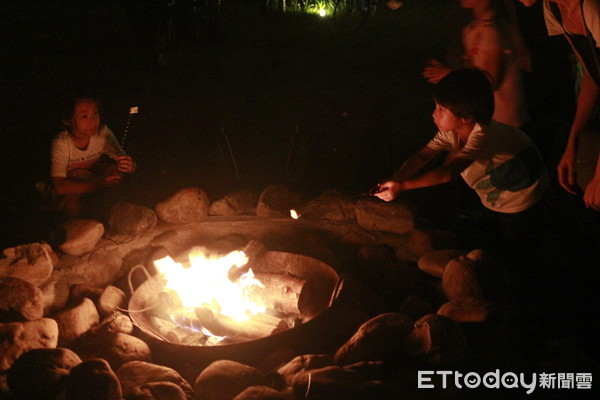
467 93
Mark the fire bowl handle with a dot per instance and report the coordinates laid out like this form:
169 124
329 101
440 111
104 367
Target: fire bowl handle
130 274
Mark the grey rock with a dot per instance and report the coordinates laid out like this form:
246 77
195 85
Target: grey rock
480 277
434 262
437 340
377 215
75 321
41 374
135 373
92 380
260 393
330 206
17 338
32 262
379 339
225 379
302 363
235 203
82 236
187 205
157 391
276 201
19 300
467 310
131 219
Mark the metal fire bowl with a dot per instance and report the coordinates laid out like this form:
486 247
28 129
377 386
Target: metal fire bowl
325 325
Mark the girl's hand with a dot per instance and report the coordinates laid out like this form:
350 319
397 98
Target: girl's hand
388 190
111 180
125 164
435 71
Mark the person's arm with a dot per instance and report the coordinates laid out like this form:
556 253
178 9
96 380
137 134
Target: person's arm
434 71
591 196
589 95
390 189
66 186
489 55
415 163
113 148
437 176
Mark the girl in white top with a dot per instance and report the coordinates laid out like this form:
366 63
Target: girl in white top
76 167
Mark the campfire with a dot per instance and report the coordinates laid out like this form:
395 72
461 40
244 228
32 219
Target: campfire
210 300
214 299
207 313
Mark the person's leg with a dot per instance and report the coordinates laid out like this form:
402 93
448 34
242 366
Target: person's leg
72 205
523 230
97 205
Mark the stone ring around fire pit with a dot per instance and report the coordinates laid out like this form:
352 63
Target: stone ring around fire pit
319 325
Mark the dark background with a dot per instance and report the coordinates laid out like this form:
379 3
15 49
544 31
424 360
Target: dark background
271 98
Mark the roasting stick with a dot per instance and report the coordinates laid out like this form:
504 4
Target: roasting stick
237 173
132 110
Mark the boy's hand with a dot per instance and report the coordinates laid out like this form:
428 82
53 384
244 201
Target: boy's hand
125 164
388 190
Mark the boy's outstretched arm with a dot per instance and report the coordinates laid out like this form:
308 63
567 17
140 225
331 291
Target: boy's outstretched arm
437 176
389 190
415 163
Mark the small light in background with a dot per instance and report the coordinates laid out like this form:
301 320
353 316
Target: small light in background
294 214
322 12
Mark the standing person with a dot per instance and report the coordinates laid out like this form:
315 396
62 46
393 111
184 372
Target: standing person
498 161
579 22
492 42
86 157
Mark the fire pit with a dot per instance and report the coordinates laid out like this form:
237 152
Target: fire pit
312 323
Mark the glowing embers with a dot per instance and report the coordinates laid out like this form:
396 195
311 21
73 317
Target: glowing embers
219 300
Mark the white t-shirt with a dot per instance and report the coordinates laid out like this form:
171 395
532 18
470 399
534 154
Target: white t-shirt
507 171
69 161
591 14
585 45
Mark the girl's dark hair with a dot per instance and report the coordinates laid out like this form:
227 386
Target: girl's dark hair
467 93
70 100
